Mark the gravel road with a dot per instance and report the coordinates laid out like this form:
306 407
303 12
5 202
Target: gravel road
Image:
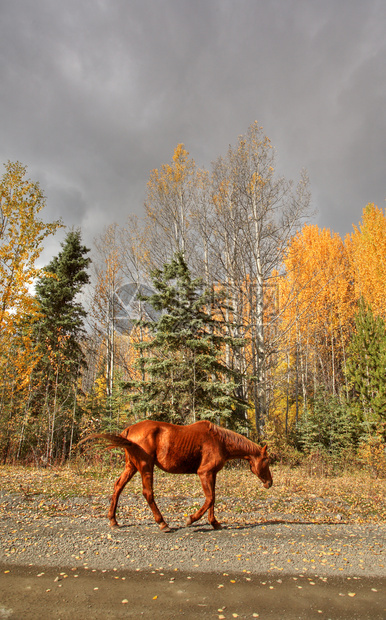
43 538
80 536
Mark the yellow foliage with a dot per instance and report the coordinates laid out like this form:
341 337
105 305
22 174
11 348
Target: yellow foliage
322 280
21 237
372 453
170 179
21 241
366 248
101 388
316 291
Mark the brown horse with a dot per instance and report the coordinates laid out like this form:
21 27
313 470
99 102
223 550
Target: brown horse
201 448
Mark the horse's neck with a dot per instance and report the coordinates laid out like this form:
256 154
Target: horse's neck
239 452
239 447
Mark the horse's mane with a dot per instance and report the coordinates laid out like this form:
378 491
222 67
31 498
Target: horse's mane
234 440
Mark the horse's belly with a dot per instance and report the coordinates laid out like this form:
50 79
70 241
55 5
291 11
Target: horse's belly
178 454
179 466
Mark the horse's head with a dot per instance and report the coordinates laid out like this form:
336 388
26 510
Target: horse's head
259 465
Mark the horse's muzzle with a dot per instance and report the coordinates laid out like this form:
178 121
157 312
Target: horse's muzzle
268 484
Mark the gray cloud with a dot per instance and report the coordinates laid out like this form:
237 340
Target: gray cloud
95 94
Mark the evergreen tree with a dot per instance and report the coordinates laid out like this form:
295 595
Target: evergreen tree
366 367
327 425
183 376
59 334
62 315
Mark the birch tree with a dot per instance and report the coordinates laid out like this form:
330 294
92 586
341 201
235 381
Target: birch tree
261 212
170 200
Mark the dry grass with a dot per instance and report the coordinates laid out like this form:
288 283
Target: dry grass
354 498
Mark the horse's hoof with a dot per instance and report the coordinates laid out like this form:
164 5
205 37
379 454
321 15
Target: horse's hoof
217 526
165 528
188 521
114 526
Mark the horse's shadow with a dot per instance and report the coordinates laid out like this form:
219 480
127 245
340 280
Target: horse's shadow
231 527
226 527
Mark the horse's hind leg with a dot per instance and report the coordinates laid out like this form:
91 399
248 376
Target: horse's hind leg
208 481
147 487
120 484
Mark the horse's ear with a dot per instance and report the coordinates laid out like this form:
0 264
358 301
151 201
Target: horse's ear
264 450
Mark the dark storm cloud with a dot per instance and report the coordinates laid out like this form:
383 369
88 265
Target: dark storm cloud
94 94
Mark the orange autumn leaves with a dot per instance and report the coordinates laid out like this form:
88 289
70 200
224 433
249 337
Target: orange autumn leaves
366 250
326 276
22 233
323 279
316 289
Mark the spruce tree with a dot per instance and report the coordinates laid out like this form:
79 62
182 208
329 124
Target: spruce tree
59 333
62 315
366 367
327 425
183 375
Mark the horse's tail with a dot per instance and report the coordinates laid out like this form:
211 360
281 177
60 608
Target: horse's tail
114 441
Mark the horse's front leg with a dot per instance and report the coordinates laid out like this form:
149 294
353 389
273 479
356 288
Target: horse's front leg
123 479
208 482
147 489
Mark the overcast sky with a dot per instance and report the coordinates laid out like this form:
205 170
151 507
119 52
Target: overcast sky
94 94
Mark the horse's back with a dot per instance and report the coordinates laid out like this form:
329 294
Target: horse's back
150 427
173 448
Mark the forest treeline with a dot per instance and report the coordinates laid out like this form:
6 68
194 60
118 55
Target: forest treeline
222 302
